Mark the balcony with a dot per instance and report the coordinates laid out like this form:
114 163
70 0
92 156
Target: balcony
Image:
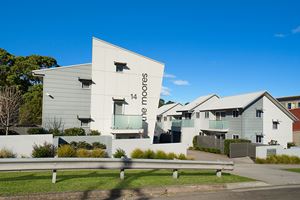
183 123
127 122
218 125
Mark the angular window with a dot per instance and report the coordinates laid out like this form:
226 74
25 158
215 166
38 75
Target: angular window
275 125
235 113
85 83
120 66
259 113
235 137
259 138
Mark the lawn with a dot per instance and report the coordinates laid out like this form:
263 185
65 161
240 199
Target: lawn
12 183
294 170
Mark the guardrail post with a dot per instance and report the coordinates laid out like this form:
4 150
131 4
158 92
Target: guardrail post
175 173
54 176
122 174
219 173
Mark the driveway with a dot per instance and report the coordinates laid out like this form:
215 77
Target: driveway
205 156
270 174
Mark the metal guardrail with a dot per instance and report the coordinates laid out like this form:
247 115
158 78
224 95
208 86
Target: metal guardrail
54 164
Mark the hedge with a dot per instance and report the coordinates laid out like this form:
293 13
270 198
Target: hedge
279 159
149 154
227 143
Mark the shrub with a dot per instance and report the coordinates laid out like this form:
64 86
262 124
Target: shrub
74 132
149 154
66 151
279 159
160 155
182 157
36 131
137 153
5 153
73 144
171 156
84 145
227 143
119 153
43 151
95 132
290 144
98 153
98 145
55 132
83 153
210 150
195 141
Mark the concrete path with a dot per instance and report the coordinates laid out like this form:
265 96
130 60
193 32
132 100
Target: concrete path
270 174
205 156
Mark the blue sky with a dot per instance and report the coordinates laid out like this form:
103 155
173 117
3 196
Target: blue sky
224 47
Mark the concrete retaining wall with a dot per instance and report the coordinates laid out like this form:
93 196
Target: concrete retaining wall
264 151
22 145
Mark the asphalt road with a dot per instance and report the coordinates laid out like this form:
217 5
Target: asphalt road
274 193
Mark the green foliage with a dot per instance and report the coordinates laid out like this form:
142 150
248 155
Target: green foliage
160 155
43 151
137 153
279 159
6 153
161 102
149 154
84 145
55 132
290 144
31 109
119 153
182 157
195 141
74 132
66 151
98 153
83 153
98 145
37 131
95 132
210 150
227 143
171 156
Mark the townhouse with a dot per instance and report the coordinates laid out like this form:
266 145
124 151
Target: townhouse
257 117
117 94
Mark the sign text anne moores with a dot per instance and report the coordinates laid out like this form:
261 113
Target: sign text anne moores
144 96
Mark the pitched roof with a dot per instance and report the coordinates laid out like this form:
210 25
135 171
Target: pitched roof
288 98
237 101
165 108
173 111
195 103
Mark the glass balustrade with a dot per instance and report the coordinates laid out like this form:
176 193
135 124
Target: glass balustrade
127 122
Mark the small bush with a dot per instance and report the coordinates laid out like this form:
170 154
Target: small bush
149 154
182 157
171 156
95 132
5 153
195 141
37 131
119 153
227 143
84 145
279 159
137 153
66 151
73 144
83 153
98 153
74 132
43 151
160 155
290 144
98 145
55 132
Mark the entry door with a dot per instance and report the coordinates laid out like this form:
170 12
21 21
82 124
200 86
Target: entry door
220 115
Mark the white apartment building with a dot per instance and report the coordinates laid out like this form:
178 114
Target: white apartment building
117 94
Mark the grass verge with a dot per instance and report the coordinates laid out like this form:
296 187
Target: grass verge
294 170
17 183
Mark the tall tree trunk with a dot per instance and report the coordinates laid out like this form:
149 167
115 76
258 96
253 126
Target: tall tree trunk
6 130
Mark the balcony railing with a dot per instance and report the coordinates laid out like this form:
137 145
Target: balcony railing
183 123
127 122
215 124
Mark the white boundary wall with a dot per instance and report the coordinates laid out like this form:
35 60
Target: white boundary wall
128 145
22 145
261 151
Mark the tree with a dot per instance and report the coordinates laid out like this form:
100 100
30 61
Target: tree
31 109
10 100
161 102
169 102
